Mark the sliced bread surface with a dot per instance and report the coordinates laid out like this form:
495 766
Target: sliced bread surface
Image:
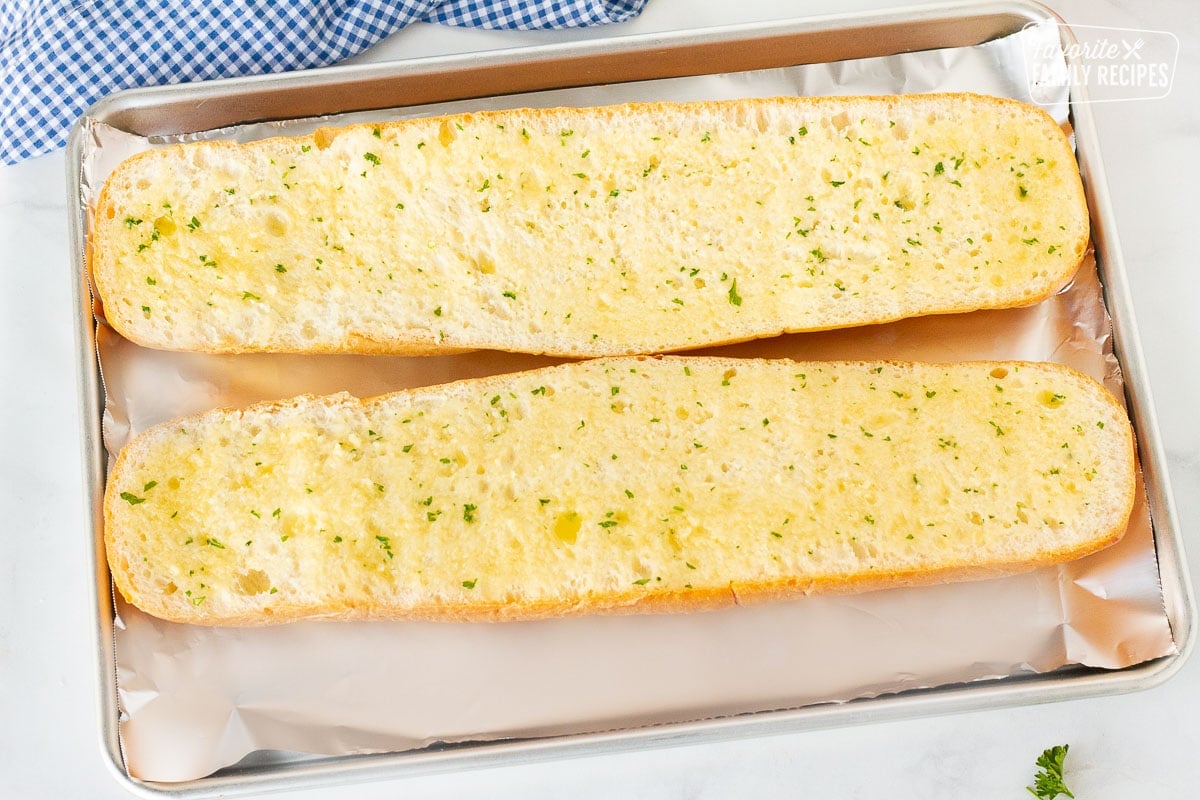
617 485
638 228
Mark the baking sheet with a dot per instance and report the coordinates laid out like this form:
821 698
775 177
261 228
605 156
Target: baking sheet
195 699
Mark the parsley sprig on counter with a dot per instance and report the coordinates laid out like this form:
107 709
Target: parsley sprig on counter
1048 783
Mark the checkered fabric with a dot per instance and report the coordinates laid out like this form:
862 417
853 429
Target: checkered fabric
57 57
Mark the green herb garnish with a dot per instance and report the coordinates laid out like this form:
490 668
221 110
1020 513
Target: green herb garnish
1048 783
385 544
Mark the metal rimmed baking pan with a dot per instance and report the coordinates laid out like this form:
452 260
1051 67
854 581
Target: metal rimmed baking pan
171 111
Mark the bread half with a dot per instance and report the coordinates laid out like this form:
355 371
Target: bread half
638 228
617 485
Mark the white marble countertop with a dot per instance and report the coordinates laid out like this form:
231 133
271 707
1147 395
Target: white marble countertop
1138 745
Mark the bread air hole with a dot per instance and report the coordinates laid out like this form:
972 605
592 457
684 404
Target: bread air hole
252 582
277 222
1050 399
485 264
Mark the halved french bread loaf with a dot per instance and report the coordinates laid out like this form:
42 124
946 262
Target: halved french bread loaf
591 231
615 485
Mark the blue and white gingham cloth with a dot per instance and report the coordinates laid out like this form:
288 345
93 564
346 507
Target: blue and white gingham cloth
57 57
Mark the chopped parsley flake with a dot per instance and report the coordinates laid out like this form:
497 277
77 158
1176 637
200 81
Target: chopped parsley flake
385 544
734 297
